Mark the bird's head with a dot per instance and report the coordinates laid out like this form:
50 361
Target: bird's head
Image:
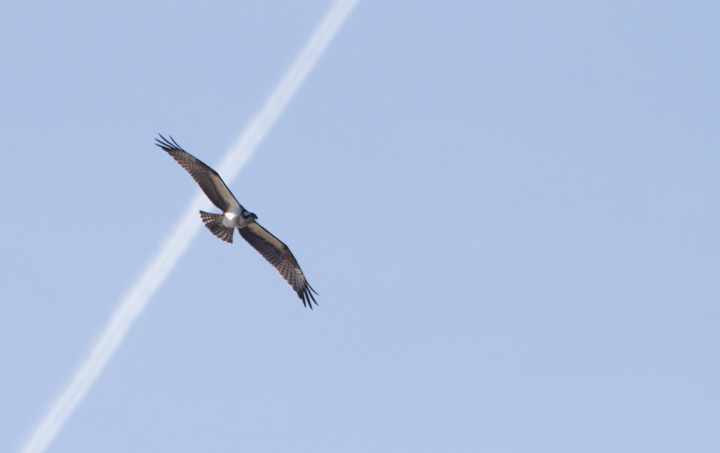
248 215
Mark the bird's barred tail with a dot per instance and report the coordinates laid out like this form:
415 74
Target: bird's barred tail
213 222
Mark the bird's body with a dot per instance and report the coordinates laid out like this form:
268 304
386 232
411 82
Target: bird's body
232 219
236 216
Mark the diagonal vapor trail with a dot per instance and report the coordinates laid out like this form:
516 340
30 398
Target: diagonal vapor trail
177 243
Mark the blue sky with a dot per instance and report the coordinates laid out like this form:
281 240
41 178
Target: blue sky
510 211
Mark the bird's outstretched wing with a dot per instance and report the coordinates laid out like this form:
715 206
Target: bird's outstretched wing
279 255
210 182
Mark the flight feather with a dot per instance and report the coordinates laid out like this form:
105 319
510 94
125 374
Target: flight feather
209 181
279 255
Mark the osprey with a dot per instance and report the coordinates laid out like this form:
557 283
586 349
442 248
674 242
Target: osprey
235 216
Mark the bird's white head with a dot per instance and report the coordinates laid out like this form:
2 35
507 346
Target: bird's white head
249 215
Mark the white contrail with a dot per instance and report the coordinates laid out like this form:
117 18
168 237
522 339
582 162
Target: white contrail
176 245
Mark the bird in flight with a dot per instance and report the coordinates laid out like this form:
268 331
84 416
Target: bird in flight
235 216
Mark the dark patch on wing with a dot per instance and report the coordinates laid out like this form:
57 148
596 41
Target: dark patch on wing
209 181
279 255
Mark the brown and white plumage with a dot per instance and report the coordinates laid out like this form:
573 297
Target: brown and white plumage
209 181
235 216
279 255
